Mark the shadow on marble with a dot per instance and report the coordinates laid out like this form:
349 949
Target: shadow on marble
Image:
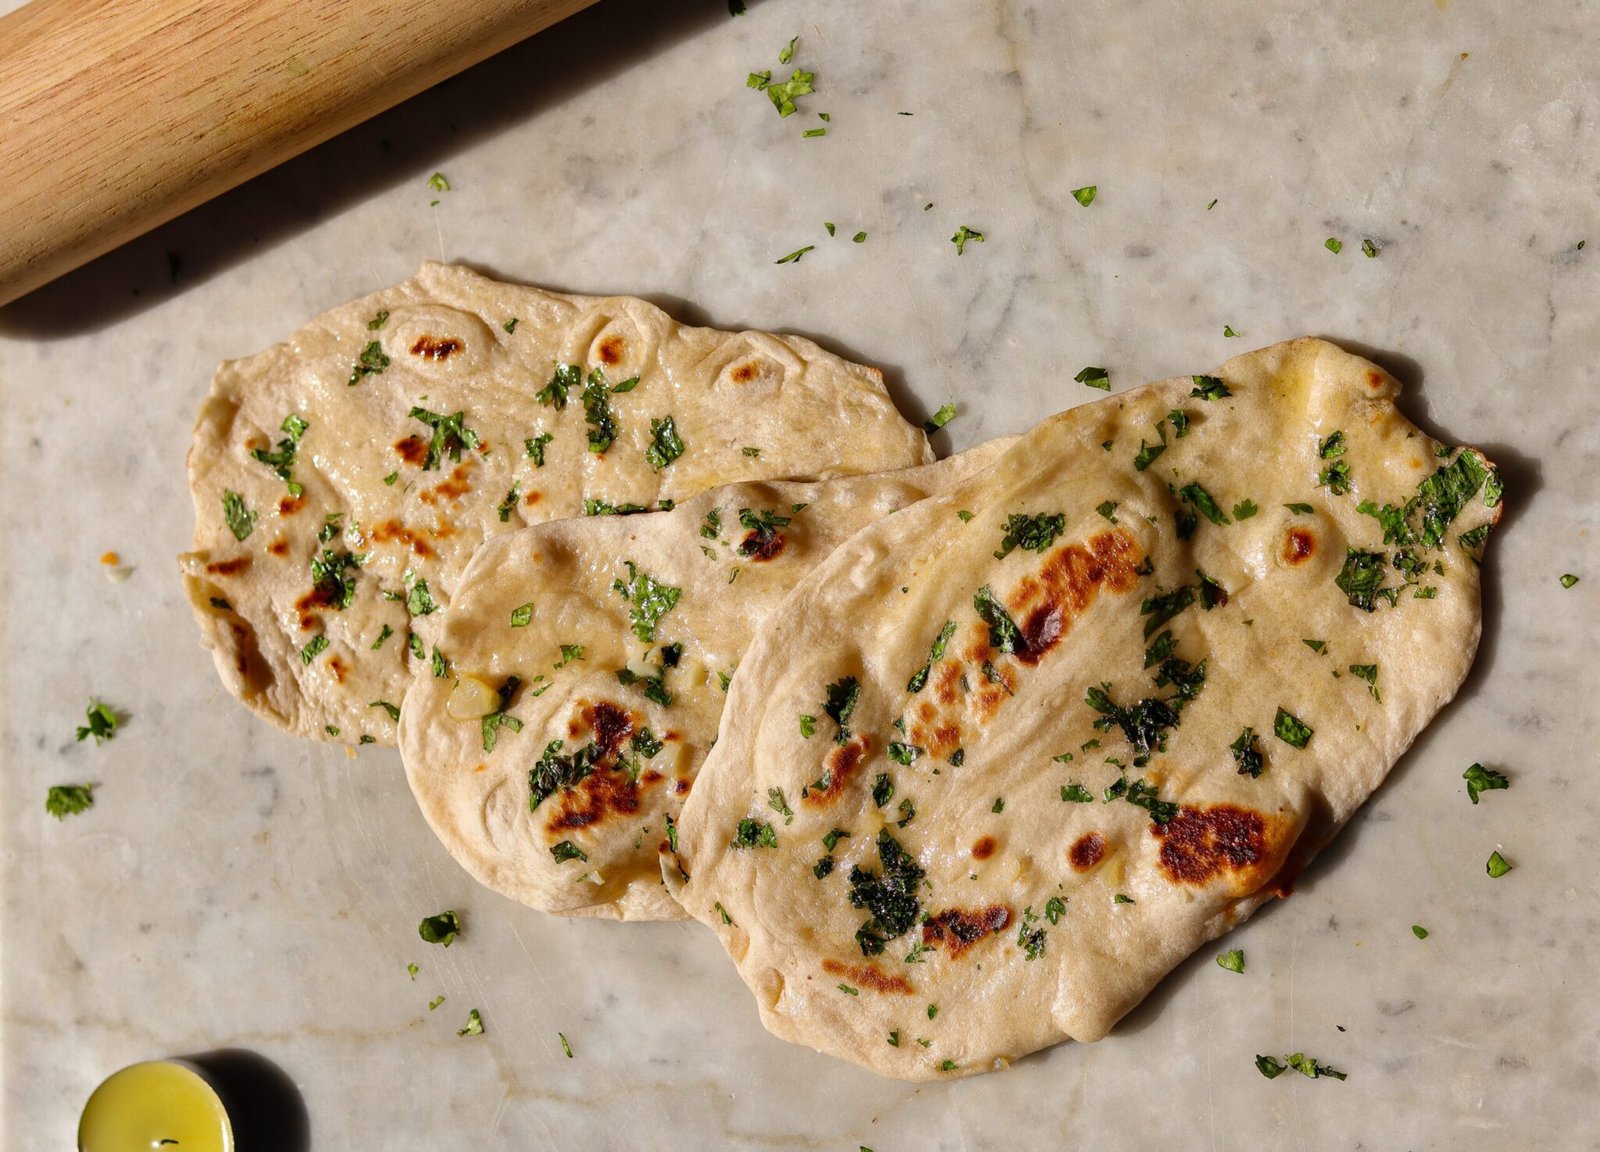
264 1106
398 146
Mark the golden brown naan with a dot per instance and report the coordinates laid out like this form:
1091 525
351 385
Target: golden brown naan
1037 782
342 480
542 605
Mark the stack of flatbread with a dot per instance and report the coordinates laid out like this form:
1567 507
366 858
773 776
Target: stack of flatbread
957 759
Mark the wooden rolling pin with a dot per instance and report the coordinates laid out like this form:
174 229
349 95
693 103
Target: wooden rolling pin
117 115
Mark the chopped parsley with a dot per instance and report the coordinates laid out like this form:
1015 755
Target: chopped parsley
1291 730
594 506
889 895
783 93
765 525
945 414
1076 794
1232 960
1228 333
1369 673
1361 578
920 679
1160 649
780 804
1335 478
1032 533
665 444
1300 509
1030 939
65 800
1004 636
1209 388
419 601
382 636
1245 509
999 807
372 361
648 600
1480 779
328 577
1148 454
1419 931
1055 908
522 615
1094 377
506 506
565 1045
597 410
808 726
379 320
441 666
794 257
1369 249
440 929
534 448
1498 866
1164 606
849 991
755 834
1247 754
1309 1068
1567 578
1085 195
242 521
882 789
564 379
1143 795
450 436
963 235
721 911
281 461
1333 244
392 710
751 451
1180 422
438 183
1197 495
834 835
498 719
1122 898
843 695
555 771
1271 1067
102 723
567 850
474 1025
314 647
654 687
859 238
903 753
1108 509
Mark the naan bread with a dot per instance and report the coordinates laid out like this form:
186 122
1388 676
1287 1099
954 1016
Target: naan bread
541 605
343 480
1038 782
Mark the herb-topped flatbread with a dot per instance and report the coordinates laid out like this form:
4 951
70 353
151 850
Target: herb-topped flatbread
592 658
342 480
1083 712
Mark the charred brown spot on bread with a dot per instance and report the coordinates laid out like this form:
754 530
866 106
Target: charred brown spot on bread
1375 379
413 450
611 725
393 530
868 976
1087 851
279 547
601 793
339 669
838 767
1200 844
651 777
436 347
983 847
758 547
1298 545
1047 602
532 498
957 929
680 787
947 682
611 349
457 486
289 505
231 567
744 373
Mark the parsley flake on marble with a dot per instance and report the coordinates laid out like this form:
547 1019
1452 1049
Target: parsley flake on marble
963 236
1085 195
442 928
65 800
102 723
1094 377
1480 779
1232 960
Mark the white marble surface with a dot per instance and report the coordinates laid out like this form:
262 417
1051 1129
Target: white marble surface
233 887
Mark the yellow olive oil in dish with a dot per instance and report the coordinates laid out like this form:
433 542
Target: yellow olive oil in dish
155 1106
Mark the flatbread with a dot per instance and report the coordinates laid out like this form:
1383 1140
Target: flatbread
343 479
990 899
541 605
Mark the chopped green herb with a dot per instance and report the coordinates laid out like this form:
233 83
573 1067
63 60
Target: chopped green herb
1333 244
102 723
534 448
1197 495
648 600
1094 378
808 726
903 753
1209 388
378 321
565 1046
933 1010
1567 579
813 133
555 771
1122 898
780 804
440 929
1180 422
521 616
842 697
665 444
65 800
1164 606
1369 249
281 461
1148 454
507 505
936 653
1247 754
372 361
962 236
828 224
1291 730
890 896
964 515
1309 1068
1369 673
414 642
1108 509
1300 509
859 238
849 991
1335 478
751 451
945 414
474 1025
755 834
723 912
563 380
242 521
1419 931
1227 332
1076 794
794 257
831 840
441 666
882 789
567 850
1232 960
1030 939
1032 533
1271 1067
314 648
1360 578
1498 865
450 436
1245 509
438 183
1480 779
1004 636
394 712
597 411
435 1002
1085 195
